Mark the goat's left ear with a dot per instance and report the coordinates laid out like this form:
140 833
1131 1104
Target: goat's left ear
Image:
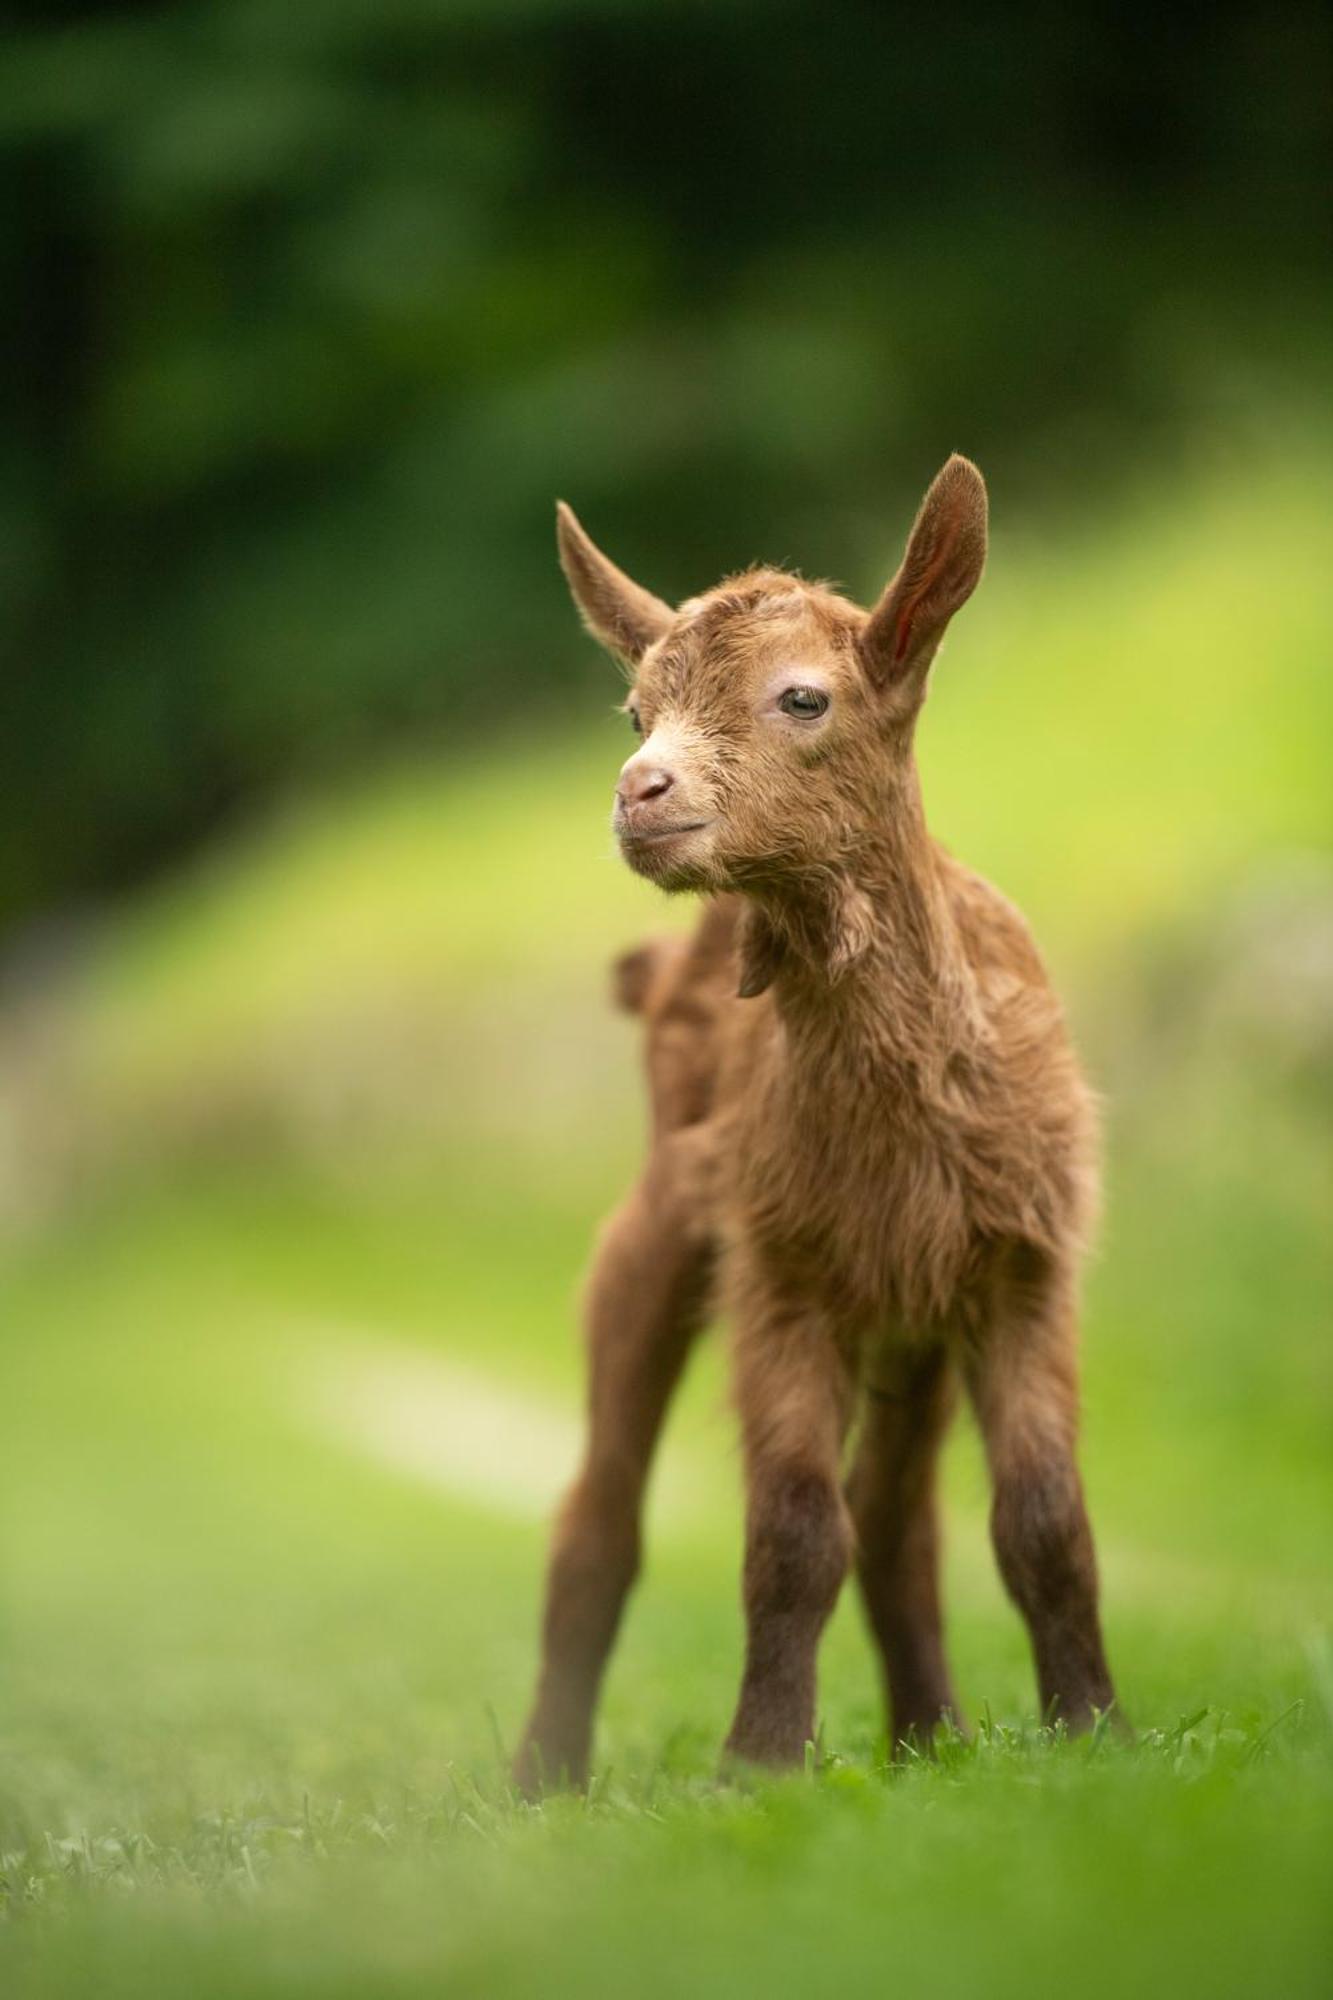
620 614
946 553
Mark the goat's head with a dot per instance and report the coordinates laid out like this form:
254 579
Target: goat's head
776 717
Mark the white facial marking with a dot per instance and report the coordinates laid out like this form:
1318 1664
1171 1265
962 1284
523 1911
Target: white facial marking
673 745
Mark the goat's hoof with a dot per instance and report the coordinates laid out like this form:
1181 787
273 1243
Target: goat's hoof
543 1764
747 1761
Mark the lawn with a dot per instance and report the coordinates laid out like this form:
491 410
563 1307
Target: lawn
289 1382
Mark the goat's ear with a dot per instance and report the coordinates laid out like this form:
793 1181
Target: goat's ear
946 553
621 615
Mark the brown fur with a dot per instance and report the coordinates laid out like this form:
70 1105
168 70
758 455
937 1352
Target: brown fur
870 1142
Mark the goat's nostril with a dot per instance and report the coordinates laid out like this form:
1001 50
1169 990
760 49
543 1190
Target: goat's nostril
637 788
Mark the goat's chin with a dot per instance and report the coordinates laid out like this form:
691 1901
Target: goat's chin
676 864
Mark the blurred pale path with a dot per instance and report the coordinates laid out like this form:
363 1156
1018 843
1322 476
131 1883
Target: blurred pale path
446 1425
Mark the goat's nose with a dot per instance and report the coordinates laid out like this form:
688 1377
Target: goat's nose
641 782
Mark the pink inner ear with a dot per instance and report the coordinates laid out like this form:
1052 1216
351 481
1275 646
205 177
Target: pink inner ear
944 547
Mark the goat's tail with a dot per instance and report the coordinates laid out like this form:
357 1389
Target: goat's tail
666 967
634 973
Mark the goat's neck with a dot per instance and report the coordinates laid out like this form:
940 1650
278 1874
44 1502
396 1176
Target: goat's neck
872 977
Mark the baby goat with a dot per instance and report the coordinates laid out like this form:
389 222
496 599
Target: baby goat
871 1144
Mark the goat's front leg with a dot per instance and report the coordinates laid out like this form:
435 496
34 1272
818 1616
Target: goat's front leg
793 1395
1022 1374
891 1493
645 1302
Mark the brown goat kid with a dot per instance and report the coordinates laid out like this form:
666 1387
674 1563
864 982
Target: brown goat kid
870 1143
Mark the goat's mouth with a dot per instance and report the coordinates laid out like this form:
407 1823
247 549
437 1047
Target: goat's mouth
656 851
650 836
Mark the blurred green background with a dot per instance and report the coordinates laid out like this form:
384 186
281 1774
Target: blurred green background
309 1092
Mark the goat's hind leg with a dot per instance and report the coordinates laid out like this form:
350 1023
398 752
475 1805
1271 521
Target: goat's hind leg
645 1302
891 1495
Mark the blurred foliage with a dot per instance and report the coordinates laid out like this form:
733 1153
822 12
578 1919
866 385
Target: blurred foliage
411 964
315 309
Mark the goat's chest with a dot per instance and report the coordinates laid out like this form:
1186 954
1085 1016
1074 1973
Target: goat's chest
863 1203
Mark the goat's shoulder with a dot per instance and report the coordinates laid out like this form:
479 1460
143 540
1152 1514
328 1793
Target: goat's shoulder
994 932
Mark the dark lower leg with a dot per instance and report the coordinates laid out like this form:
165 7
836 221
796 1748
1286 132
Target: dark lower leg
1024 1382
891 1494
645 1302
1043 1544
798 1545
594 1560
792 1397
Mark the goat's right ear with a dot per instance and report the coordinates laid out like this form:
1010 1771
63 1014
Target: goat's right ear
619 613
946 553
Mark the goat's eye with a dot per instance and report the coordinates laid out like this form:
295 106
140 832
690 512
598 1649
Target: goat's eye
804 703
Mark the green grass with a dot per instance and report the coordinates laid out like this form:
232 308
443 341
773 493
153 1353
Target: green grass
256 1682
